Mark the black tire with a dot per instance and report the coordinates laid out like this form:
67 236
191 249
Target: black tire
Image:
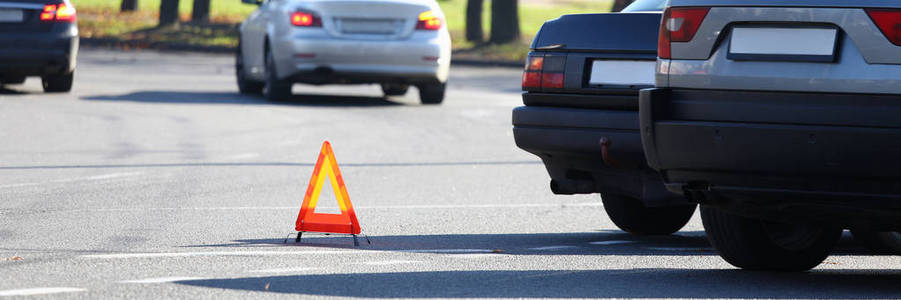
755 244
245 85
395 89
58 83
432 93
632 216
879 242
275 89
12 80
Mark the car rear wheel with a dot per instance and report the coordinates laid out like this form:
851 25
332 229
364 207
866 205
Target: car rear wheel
245 85
630 215
395 89
275 89
756 244
879 242
58 83
12 80
432 93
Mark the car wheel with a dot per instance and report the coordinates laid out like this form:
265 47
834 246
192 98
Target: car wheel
395 89
58 83
756 244
245 85
275 89
432 93
630 215
12 80
879 242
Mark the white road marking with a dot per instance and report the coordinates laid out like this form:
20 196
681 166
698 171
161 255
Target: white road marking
76 179
161 280
440 206
214 254
448 251
388 262
612 242
677 249
553 248
285 270
39 291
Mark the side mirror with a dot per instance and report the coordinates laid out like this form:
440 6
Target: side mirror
254 2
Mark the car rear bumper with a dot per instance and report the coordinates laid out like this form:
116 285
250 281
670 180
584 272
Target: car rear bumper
569 142
793 148
319 60
37 54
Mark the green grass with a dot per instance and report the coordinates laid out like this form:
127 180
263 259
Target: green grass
101 18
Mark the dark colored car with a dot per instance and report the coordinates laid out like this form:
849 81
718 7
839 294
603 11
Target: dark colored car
38 38
580 116
782 119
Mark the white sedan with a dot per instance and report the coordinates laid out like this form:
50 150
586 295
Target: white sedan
395 43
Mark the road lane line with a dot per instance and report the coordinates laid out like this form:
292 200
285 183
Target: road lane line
438 206
40 291
214 254
678 249
387 262
285 270
553 248
76 179
162 280
447 251
612 242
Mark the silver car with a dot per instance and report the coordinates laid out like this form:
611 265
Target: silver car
782 119
395 43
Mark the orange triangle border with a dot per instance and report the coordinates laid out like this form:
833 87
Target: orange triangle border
307 219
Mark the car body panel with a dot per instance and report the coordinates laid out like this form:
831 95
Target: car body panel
36 48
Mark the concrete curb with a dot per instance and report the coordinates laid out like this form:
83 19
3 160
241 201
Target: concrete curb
114 43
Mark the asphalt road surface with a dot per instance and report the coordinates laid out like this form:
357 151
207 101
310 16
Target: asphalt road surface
155 179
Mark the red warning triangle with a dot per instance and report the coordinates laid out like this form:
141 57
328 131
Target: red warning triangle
308 219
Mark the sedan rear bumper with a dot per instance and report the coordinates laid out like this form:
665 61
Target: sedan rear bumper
37 54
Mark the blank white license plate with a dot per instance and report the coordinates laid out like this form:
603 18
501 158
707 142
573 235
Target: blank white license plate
622 72
368 26
11 15
783 43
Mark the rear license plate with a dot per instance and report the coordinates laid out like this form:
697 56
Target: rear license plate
783 44
622 72
368 26
11 15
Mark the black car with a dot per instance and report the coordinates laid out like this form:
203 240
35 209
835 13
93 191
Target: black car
580 116
38 38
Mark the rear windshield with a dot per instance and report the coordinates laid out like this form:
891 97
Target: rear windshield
646 5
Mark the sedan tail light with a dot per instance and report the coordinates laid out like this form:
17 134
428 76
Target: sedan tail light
889 21
305 19
428 21
679 25
58 12
543 72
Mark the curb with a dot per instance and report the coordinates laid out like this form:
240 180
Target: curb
114 43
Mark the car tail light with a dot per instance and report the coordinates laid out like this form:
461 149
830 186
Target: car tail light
305 19
889 21
429 21
58 12
679 25
543 72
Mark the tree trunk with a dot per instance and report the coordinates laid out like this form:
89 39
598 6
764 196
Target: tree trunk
618 5
201 11
474 30
168 12
129 5
504 21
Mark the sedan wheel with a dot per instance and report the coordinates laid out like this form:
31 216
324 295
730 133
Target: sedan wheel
275 89
245 85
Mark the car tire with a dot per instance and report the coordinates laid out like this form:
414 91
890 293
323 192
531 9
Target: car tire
756 244
395 89
275 89
879 242
58 83
432 93
630 215
245 85
12 80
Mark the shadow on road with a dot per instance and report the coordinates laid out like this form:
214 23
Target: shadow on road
235 98
629 283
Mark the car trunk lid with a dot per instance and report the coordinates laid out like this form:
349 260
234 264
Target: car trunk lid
369 19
